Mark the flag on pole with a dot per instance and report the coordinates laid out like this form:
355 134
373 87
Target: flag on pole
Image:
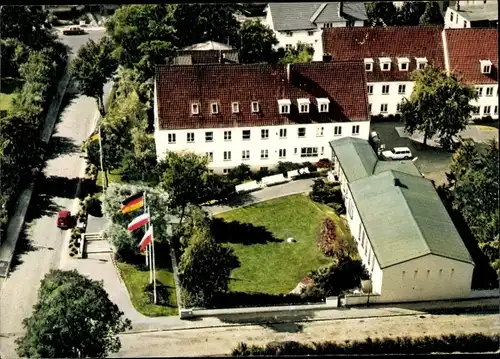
95 137
133 202
138 222
148 237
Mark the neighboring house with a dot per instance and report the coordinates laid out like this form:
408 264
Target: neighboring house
403 232
472 54
304 22
209 52
472 13
390 55
259 114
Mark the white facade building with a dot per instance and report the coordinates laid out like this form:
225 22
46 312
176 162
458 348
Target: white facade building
304 22
404 235
259 114
472 13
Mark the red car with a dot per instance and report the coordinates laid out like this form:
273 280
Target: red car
65 219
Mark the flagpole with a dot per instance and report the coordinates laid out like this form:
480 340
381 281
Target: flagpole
146 228
151 279
154 264
102 162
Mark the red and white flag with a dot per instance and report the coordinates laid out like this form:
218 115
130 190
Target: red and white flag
148 237
138 222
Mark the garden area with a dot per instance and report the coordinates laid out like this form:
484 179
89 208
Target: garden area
10 90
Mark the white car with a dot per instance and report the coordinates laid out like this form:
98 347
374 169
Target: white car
397 153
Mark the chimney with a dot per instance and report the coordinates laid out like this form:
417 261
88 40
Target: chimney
397 183
457 5
341 6
288 72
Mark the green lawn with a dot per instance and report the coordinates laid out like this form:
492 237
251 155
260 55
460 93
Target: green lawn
136 281
277 266
9 91
113 177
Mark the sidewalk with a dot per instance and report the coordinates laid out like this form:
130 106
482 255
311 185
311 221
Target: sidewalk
477 133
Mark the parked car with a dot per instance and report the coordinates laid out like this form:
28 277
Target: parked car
397 153
65 219
75 30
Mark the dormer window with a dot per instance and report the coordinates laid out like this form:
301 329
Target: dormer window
236 107
323 104
255 106
421 62
303 105
284 106
485 66
215 108
195 109
385 63
403 63
369 64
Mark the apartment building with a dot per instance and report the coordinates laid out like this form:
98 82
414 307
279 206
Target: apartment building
259 114
472 13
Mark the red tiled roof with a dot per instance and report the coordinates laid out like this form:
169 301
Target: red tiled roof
344 83
466 47
357 43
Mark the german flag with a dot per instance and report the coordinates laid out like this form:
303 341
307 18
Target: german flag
132 203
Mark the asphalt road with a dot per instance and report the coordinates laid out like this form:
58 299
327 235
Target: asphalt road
40 248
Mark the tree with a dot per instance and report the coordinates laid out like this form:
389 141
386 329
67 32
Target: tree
409 13
185 179
432 14
302 53
439 105
381 13
144 35
205 268
93 67
73 318
257 41
197 23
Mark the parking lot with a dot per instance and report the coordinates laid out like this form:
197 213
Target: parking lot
432 162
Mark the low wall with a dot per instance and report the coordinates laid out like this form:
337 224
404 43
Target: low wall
485 293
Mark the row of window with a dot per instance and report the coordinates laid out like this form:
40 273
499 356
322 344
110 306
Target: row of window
305 152
264 134
415 273
384 107
214 107
488 91
456 21
486 110
284 108
386 88
403 64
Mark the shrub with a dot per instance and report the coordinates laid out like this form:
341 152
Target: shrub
242 299
328 237
284 167
468 343
323 163
240 173
328 193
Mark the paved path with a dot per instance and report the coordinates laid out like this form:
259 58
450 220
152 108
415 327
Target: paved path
477 133
266 194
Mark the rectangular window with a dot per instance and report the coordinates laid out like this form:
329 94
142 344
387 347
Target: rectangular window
337 130
209 136
401 89
319 131
227 135
171 138
225 171
350 23
190 137
322 152
451 16
370 107
282 132
479 91
215 108
355 129
421 66
246 134
368 67
323 107
195 108
385 89
301 132
245 154
288 47
236 107
289 33
282 153
475 110
489 91
351 209
255 106
210 156
264 154
404 66
309 152
386 66
284 109
398 107
465 23
227 155
495 110
487 110
383 108
264 134
370 89
310 33
304 108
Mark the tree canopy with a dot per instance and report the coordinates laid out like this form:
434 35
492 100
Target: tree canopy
302 53
432 14
73 318
381 13
93 67
410 13
439 105
257 41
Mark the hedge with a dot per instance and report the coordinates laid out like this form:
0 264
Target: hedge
464 343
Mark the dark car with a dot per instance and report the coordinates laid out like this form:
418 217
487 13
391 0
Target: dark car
74 31
65 219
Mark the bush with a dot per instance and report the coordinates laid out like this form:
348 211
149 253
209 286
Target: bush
284 167
240 173
328 237
328 193
323 163
242 299
464 343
